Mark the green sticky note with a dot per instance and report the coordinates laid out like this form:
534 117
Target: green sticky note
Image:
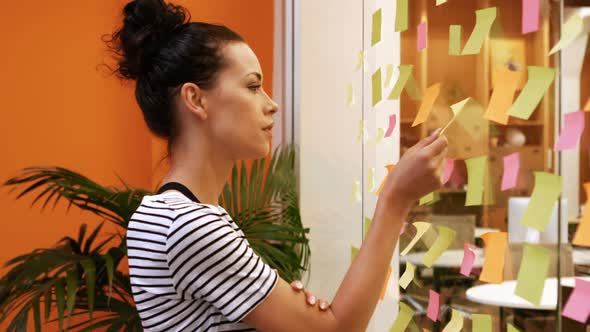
511 328
408 275
431 198
405 71
401 16
440 2
484 19
532 273
540 79
545 194
376 31
367 226
388 73
353 252
403 318
481 322
376 79
455 40
569 32
476 170
421 228
456 322
445 238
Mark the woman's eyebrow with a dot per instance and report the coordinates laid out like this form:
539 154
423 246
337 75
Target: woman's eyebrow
257 75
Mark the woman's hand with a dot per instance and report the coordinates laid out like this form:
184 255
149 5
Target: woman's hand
418 172
297 286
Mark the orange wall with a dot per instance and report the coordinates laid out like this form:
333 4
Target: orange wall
59 110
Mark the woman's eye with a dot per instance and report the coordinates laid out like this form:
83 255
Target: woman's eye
254 87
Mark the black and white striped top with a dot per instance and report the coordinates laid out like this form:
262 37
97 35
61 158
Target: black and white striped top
191 267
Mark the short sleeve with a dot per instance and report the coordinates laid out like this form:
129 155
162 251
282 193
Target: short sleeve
210 260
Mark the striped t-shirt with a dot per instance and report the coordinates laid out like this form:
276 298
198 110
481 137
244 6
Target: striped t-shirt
191 267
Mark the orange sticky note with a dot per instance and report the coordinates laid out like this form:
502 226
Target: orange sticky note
389 168
429 98
503 96
495 251
582 237
587 106
384 288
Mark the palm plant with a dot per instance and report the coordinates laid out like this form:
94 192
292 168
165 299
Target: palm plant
81 277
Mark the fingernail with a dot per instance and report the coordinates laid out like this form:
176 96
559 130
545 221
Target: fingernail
434 133
298 284
323 305
312 300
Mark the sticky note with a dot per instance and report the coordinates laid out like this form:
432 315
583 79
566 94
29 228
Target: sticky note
408 275
429 98
384 288
587 105
405 71
445 238
389 168
349 95
569 32
531 11
481 323
455 40
401 16
405 315
582 236
376 29
468 259
367 225
545 193
422 36
456 322
511 328
495 252
391 126
476 170
440 2
448 170
376 85
353 253
468 114
388 74
361 60
379 136
511 170
540 79
421 228
431 198
578 304
433 305
534 266
371 179
356 191
503 95
570 135
484 19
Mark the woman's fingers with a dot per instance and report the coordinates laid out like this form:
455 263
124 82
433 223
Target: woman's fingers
311 299
324 305
297 285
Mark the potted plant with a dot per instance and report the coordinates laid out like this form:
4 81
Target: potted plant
80 276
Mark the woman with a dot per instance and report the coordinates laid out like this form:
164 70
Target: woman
199 86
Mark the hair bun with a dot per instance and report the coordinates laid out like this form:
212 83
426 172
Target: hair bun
147 24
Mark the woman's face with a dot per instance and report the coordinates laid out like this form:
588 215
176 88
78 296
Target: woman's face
238 108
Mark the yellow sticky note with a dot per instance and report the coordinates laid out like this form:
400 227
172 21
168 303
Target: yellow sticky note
440 2
389 168
429 98
376 80
545 193
503 95
353 253
367 226
401 16
455 40
569 32
376 29
493 265
356 191
350 95
476 170
445 238
405 71
511 328
484 19
405 315
456 322
587 105
408 275
361 60
481 322
468 114
388 74
371 179
532 273
380 135
540 79
431 198
421 228
582 237
384 287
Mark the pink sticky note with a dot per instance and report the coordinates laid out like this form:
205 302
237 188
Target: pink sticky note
530 15
571 132
511 169
578 304
392 122
448 170
468 259
422 36
433 305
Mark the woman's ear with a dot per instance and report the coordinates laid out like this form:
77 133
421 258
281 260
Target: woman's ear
191 96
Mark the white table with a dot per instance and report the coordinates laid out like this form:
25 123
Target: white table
479 231
581 256
502 295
